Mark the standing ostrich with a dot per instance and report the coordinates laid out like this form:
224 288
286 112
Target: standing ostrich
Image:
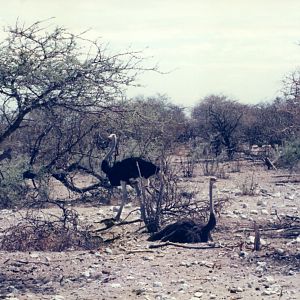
125 171
188 231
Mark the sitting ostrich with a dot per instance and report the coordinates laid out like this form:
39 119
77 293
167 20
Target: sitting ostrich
124 172
188 231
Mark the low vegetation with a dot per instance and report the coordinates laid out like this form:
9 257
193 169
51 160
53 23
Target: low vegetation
60 99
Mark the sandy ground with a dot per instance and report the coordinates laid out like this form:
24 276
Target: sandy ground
128 269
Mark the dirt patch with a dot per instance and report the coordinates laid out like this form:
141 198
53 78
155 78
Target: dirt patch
128 269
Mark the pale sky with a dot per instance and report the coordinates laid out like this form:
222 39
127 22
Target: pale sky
239 48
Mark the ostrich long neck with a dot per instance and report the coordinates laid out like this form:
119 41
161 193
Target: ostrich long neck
211 202
112 149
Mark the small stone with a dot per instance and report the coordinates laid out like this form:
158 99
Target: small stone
266 293
243 254
148 257
291 272
108 251
34 255
251 240
198 294
115 208
140 291
58 297
264 212
185 264
86 274
253 212
260 202
184 287
279 251
235 290
290 197
270 279
115 285
157 284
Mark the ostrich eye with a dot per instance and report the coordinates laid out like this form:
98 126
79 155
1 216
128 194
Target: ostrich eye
100 142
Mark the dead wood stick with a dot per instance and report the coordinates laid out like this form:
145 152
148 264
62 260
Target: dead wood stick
32 262
183 246
139 251
287 181
257 244
286 175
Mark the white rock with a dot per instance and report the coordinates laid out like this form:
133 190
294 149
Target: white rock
290 197
270 279
276 195
198 294
253 212
264 212
148 257
115 285
58 297
243 217
251 240
266 293
34 255
86 274
279 251
108 251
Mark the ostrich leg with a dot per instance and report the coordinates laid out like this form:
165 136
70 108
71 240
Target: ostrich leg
124 199
141 203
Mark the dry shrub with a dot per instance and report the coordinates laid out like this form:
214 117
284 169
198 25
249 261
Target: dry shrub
249 187
168 201
213 167
188 166
41 232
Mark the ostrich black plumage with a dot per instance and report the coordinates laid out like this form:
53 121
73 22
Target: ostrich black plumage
125 171
188 231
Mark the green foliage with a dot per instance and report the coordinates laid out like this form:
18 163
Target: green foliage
12 188
290 156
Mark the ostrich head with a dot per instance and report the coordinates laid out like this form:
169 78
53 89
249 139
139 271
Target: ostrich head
112 136
105 163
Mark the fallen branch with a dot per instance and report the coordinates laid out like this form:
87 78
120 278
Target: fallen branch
136 250
111 222
285 175
184 246
287 181
32 262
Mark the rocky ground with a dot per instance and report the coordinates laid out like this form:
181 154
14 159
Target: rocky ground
129 269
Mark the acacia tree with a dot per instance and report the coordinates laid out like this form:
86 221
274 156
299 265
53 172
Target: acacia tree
58 91
41 70
151 125
219 118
